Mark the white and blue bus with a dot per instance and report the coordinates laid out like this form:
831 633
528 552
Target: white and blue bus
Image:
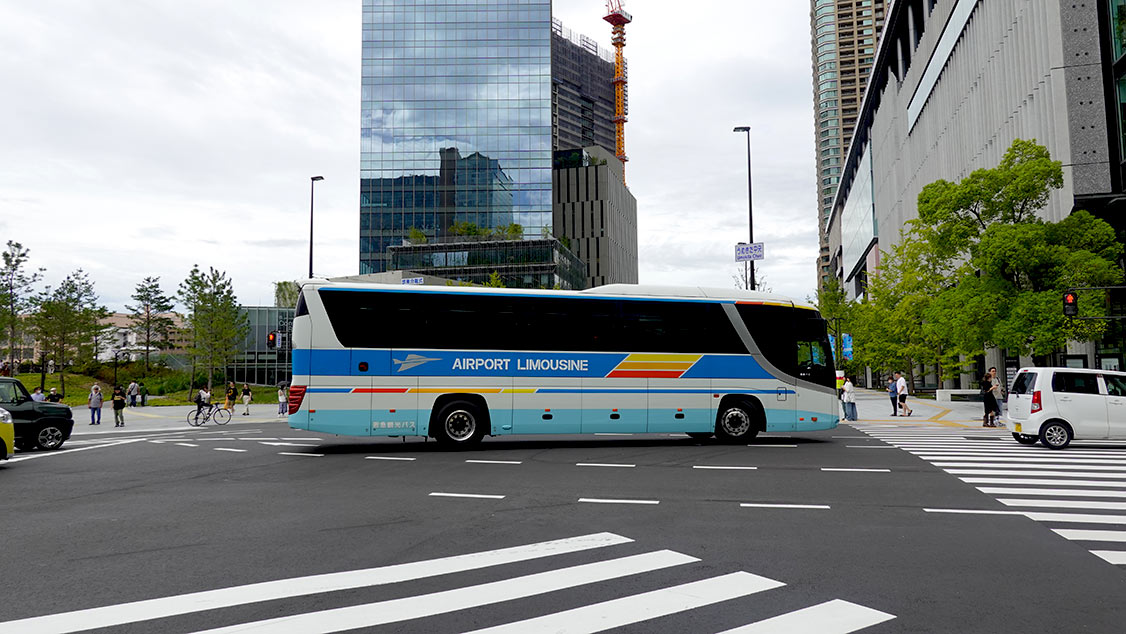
460 363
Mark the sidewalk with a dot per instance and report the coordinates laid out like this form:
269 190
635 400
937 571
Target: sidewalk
875 406
164 418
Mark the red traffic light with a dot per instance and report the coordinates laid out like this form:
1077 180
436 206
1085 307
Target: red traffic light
272 339
1070 304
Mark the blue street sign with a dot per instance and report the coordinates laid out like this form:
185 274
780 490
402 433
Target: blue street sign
846 346
413 280
746 252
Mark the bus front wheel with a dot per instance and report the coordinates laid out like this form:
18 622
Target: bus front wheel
737 422
460 424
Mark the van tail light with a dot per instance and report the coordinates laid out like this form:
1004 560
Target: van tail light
1036 403
297 394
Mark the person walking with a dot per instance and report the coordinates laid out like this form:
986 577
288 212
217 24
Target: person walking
132 392
892 394
901 391
283 403
246 397
144 394
118 397
987 400
231 395
94 402
54 396
848 397
998 396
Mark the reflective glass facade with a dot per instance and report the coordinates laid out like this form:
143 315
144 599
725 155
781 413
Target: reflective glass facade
255 363
455 119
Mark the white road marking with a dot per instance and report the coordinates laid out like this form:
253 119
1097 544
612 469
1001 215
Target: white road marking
775 446
831 617
186 444
67 452
1111 556
870 447
415 607
388 458
1090 536
303 438
495 461
604 464
1057 459
1063 492
640 607
617 501
972 511
229 449
1054 465
759 505
1084 518
288 444
1065 504
1045 481
1013 472
856 469
137 611
723 467
258 438
1020 456
483 496
295 453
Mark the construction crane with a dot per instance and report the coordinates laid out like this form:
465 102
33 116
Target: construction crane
619 19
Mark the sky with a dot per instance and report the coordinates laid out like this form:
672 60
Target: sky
140 138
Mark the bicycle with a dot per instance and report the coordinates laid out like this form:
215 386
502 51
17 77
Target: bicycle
213 412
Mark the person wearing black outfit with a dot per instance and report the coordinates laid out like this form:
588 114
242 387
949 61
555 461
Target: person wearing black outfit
54 396
118 407
988 400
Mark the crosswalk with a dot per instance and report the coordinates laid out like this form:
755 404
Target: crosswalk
1083 484
831 617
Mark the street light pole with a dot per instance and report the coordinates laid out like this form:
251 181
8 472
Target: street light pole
750 208
312 181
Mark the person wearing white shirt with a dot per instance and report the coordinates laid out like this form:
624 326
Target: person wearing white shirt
901 390
848 397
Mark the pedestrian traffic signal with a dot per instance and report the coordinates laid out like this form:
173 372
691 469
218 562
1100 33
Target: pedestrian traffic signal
272 339
1070 304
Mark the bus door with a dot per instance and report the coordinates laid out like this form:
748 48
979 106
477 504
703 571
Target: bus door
814 365
771 328
338 399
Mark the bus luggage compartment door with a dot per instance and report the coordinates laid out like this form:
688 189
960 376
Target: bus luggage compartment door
615 405
673 407
546 405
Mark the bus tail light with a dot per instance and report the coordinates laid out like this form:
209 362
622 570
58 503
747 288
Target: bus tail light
1037 405
296 395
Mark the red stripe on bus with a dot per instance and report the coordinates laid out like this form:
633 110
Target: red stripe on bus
645 374
380 390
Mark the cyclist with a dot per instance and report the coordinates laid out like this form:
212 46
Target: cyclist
203 399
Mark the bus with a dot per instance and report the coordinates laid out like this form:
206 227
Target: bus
460 363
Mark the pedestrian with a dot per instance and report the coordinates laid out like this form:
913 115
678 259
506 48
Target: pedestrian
118 398
51 366
144 394
5 369
54 396
987 400
892 394
37 395
848 397
998 396
232 394
901 390
132 393
283 403
94 402
246 396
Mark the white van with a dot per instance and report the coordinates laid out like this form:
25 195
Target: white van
1055 405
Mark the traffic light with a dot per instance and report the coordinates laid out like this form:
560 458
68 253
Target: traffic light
272 339
1070 304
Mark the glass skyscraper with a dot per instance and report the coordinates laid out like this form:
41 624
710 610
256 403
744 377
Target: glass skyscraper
456 120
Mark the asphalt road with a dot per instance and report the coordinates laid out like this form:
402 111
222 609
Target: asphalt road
862 526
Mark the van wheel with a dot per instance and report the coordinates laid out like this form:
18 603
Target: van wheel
737 423
460 424
49 437
1025 439
1055 435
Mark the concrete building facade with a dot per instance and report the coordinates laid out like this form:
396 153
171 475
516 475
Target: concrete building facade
844 36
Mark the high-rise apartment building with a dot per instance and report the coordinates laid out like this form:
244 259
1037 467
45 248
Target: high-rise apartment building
844 33
463 103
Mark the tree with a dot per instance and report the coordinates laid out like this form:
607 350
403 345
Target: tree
494 281
149 318
215 322
15 287
285 294
416 236
65 319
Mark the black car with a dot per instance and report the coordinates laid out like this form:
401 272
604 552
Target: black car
37 425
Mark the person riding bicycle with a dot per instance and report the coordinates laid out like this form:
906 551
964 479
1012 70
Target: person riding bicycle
202 399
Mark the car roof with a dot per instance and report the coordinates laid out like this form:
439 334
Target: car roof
1040 369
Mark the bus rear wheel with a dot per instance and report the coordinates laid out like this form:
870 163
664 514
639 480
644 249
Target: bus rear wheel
737 422
460 424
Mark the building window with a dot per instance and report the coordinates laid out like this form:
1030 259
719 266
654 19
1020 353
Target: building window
1118 26
1122 116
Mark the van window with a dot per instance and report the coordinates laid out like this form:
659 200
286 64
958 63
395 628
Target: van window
1025 383
1075 382
1115 385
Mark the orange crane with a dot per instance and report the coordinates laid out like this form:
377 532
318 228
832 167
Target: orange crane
619 18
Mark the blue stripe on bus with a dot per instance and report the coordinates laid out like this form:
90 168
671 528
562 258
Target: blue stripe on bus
329 390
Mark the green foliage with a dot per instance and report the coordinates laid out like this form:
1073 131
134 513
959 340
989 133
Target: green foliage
494 281
66 320
285 294
215 323
15 292
416 236
511 231
149 317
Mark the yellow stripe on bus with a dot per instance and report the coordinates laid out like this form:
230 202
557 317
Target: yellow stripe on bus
635 365
447 390
658 358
